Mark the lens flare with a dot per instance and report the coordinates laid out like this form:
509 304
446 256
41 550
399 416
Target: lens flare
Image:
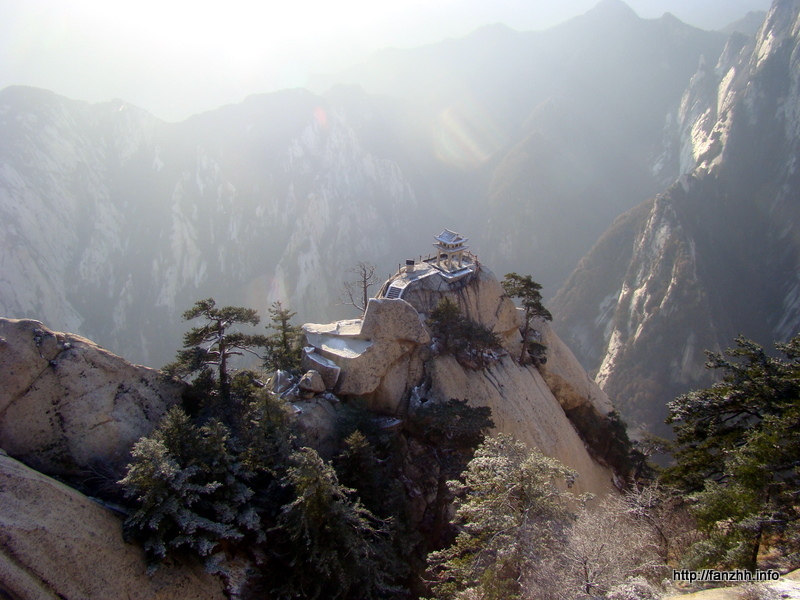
321 117
465 136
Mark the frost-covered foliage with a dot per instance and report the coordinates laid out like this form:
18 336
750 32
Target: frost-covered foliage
636 588
284 346
736 454
511 515
609 544
758 591
211 489
191 487
522 535
335 547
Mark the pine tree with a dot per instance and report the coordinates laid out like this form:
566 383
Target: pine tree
738 452
510 513
464 338
335 547
191 490
445 322
212 344
357 467
284 346
528 292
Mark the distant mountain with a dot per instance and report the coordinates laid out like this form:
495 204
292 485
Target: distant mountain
716 255
559 130
113 222
748 25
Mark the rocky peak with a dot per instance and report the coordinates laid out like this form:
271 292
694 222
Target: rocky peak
614 9
716 255
386 362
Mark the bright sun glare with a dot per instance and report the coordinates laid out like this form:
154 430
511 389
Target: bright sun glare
177 57
241 29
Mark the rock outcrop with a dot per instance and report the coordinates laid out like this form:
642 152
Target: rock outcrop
56 543
387 363
374 355
524 406
475 289
68 406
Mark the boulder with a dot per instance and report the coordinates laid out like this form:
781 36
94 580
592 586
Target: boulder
329 370
311 382
318 424
384 343
56 543
389 319
68 406
280 382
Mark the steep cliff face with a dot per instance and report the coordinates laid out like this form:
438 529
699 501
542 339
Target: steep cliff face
524 406
114 222
394 369
714 256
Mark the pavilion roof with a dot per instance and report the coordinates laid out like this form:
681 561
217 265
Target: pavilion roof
450 237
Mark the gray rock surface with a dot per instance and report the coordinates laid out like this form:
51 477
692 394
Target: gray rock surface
523 406
312 382
386 361
68 406
375 354
56 543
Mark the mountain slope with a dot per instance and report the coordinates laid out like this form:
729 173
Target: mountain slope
718 253
557 128
115 222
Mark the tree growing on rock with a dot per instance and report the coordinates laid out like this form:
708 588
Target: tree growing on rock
529 294
284 347
467 340
191 489
200 486
336 548
211 345
511 516
356 289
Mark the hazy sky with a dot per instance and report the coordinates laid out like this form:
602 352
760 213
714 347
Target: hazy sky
178 57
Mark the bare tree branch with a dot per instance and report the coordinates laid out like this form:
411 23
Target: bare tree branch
356 289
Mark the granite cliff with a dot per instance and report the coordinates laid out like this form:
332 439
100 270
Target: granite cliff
72 410
714 256
387 362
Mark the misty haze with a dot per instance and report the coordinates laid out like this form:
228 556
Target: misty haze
641 168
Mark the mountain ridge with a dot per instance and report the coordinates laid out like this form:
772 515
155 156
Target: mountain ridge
715 255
